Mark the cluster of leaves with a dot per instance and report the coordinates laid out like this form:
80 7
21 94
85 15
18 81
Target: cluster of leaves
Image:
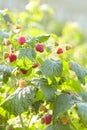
34 78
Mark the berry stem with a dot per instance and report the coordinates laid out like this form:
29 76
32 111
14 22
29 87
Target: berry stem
22 123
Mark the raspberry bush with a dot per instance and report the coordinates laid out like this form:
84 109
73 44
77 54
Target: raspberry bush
42 81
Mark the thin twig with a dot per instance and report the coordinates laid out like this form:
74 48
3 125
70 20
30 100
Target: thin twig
22 123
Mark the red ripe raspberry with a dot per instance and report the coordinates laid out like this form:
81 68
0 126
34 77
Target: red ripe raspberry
59 51
12 57
35 65
47 119
21 40
40 47
24 71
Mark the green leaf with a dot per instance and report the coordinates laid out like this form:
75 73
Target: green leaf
6 77
39 59
51 127
29 53
42 82
52 68
6 72
62 103
39 39
32 41
80 71
83 96
54 36
82 111
17 128
19 101
48 90
26 128
2 127
7 18
60 126
6 69
42 37
37 104
4 34
39 95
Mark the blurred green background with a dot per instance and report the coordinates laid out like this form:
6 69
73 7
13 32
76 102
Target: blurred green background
65 10
66 19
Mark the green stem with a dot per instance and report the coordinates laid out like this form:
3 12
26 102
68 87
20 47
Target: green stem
73 124
22 123
29 120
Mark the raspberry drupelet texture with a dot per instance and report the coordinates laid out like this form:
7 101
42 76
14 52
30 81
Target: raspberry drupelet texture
59 51
12 57
40 48
21 40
